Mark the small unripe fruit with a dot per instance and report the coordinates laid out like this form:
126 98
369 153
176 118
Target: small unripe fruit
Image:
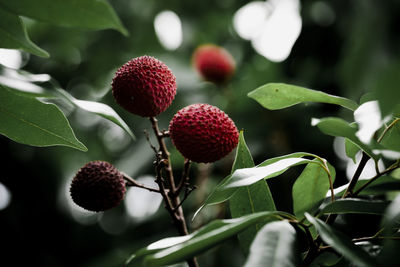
98 186
203 133
144 86
214 63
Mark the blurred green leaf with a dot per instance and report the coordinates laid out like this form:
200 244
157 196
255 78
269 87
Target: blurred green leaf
13 34
279 95
392 215
325 259
386 88
100 109
339 127
274 245
351 149
391 140
29 121
310 188
348 205
89 14
250 199
341 243
199 241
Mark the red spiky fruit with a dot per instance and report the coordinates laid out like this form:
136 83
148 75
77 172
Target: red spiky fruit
98 186
203 133
144 86
214 63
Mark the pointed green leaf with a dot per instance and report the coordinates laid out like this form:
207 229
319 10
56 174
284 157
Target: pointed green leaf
392 215
208 236
338 127
29 121
89 14
249 199
279 95
100 109
248 176
274 245
349 205
310 189
342 244
13 34
351 149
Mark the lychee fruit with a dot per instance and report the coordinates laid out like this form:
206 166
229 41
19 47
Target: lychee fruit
144 86
203 133
98 186
214 63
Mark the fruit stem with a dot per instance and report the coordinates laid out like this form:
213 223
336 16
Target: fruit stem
132 182
170 196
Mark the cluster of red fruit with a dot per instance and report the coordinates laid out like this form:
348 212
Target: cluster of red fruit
146 87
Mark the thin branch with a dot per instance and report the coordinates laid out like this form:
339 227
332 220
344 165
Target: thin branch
391 168
171 199
188 190
132 182
356 176
185 176
146 133
387 129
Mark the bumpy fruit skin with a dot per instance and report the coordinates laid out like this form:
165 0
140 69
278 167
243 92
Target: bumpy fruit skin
214 63
98 186
203 133
144 86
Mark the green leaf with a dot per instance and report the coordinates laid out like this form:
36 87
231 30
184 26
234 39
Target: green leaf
391 140
13 34
310 188
29 121
89 14
392 215
173 251
351 149
279 95
386 88
100 109
341 243
250 199
274 245
338 127
349 205
248 176
325 259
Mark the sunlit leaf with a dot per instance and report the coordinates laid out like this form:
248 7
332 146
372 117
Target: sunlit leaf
13 34
100 109
368 118
29 121
310 188
274 245
348 205
339 127
279 95
250 199
90 14
206 237
248 176
341 243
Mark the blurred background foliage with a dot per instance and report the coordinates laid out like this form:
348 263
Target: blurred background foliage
343 49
